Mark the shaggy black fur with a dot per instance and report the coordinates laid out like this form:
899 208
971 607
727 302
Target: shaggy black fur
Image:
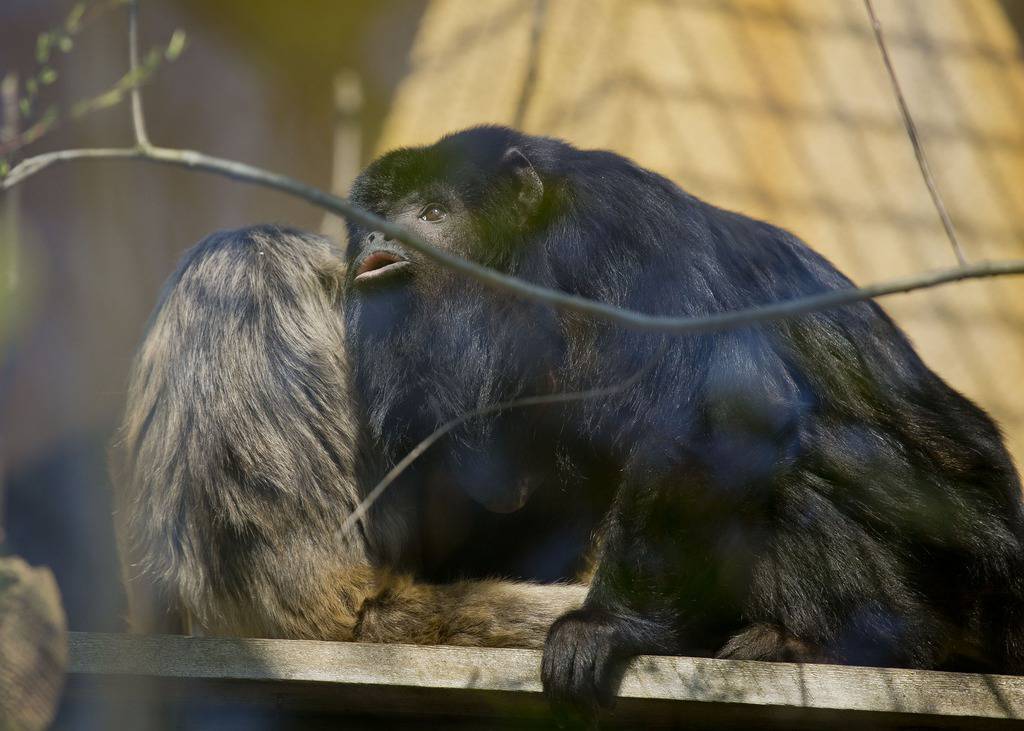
806 487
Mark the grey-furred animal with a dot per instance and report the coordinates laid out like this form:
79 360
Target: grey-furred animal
234 469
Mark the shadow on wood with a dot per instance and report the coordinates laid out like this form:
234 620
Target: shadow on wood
207 682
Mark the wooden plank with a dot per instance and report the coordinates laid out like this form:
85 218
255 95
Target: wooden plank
402 680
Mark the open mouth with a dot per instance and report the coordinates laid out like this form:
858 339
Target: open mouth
380 264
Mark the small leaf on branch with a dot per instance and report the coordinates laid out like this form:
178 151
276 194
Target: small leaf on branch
104 100
25 106
31 86
43 44
47 76
5 167
32 134
152 59
74 19
176 45
65 44
49 120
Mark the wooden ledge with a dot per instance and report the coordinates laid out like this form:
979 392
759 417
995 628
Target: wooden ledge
372 681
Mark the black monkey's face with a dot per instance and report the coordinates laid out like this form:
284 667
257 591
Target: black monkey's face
430 345
475 194
436 214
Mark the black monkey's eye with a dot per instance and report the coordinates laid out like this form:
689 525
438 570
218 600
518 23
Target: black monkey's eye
433 213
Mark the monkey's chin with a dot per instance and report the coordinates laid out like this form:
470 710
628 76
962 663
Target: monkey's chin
507 500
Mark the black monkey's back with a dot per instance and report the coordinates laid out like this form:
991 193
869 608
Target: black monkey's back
879 509
801 483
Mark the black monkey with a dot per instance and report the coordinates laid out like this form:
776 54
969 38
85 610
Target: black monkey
799 489
234 469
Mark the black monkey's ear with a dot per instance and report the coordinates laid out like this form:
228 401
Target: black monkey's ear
530 187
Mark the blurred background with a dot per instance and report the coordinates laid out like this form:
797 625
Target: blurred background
778 108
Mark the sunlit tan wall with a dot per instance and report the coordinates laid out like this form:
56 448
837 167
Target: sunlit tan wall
780 109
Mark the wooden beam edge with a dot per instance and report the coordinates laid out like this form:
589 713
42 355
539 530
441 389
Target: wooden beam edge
516 672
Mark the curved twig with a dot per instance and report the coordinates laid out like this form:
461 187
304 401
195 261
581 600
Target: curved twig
503 282
138 118
915 138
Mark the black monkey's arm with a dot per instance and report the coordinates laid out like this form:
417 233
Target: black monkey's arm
628 611
677 551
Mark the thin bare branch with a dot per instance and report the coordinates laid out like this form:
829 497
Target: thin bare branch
138 118
540 9
915 139
555 398
32 165
33 133
627 318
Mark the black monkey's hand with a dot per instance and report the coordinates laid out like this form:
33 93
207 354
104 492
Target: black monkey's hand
582 660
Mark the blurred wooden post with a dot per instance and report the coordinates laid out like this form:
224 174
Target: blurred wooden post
9 200
9 203
8 231
348 144
33 632
33 646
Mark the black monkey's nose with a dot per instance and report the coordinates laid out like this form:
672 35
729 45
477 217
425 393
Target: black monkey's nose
380 263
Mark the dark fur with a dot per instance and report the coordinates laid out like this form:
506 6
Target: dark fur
806 487
235 469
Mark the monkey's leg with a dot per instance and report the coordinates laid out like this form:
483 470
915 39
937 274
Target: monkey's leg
356 602
771 642
471 613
